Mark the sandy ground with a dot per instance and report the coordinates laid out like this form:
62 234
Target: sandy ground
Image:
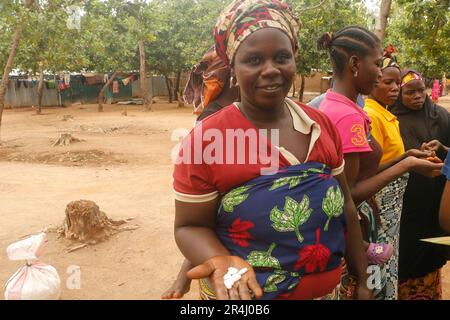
123 165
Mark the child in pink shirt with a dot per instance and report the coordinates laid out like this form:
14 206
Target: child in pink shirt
353 124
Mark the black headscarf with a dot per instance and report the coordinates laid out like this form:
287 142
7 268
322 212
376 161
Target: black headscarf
420 214
418 126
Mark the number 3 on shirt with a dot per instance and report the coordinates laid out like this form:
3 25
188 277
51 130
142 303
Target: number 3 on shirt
359 134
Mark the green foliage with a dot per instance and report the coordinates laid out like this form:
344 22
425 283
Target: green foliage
46 38
185 33
420 31
178 32
10 11
331 16
110 35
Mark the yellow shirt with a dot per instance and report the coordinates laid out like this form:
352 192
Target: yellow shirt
386 130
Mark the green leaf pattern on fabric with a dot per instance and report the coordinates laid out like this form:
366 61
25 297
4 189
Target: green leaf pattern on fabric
274 279
278 277
263 259
247 19
292 217
292 286
234 198
294 181
333 204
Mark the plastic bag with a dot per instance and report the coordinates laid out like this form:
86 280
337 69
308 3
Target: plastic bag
35 280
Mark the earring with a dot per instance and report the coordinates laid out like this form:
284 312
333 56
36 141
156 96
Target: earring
233 82
355 74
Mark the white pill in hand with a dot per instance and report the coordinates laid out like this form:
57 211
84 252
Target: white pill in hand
242 271
232 270
236 277
232 276
229 283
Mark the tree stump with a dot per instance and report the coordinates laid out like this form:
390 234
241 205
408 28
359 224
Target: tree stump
67 117
65 139
86 223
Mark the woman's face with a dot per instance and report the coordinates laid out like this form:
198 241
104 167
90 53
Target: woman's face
388 87
369 71
413 94
264 67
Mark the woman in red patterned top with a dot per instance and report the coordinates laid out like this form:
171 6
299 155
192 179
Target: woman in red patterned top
259 185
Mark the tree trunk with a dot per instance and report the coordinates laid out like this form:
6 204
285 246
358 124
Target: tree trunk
302 89
169 85
8 68
176 91
380 28
65 139
86 223
101 94
40 88
444 81
10 62
143 76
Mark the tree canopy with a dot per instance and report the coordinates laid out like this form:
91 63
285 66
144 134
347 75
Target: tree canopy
329 16
420 30
178 32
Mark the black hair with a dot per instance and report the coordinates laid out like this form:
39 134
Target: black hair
349 41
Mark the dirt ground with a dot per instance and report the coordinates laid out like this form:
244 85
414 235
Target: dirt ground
123 165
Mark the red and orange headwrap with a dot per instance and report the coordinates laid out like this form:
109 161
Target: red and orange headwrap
243 17
206 81
389 59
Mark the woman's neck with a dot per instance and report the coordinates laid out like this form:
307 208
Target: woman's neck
342 86
228 96
378 101
262 116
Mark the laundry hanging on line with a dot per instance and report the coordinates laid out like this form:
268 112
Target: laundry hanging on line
115 87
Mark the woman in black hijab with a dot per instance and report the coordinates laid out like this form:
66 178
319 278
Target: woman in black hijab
423 125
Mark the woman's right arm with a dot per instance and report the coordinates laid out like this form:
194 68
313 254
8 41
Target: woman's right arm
194 231
196 238
409 153
364 189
